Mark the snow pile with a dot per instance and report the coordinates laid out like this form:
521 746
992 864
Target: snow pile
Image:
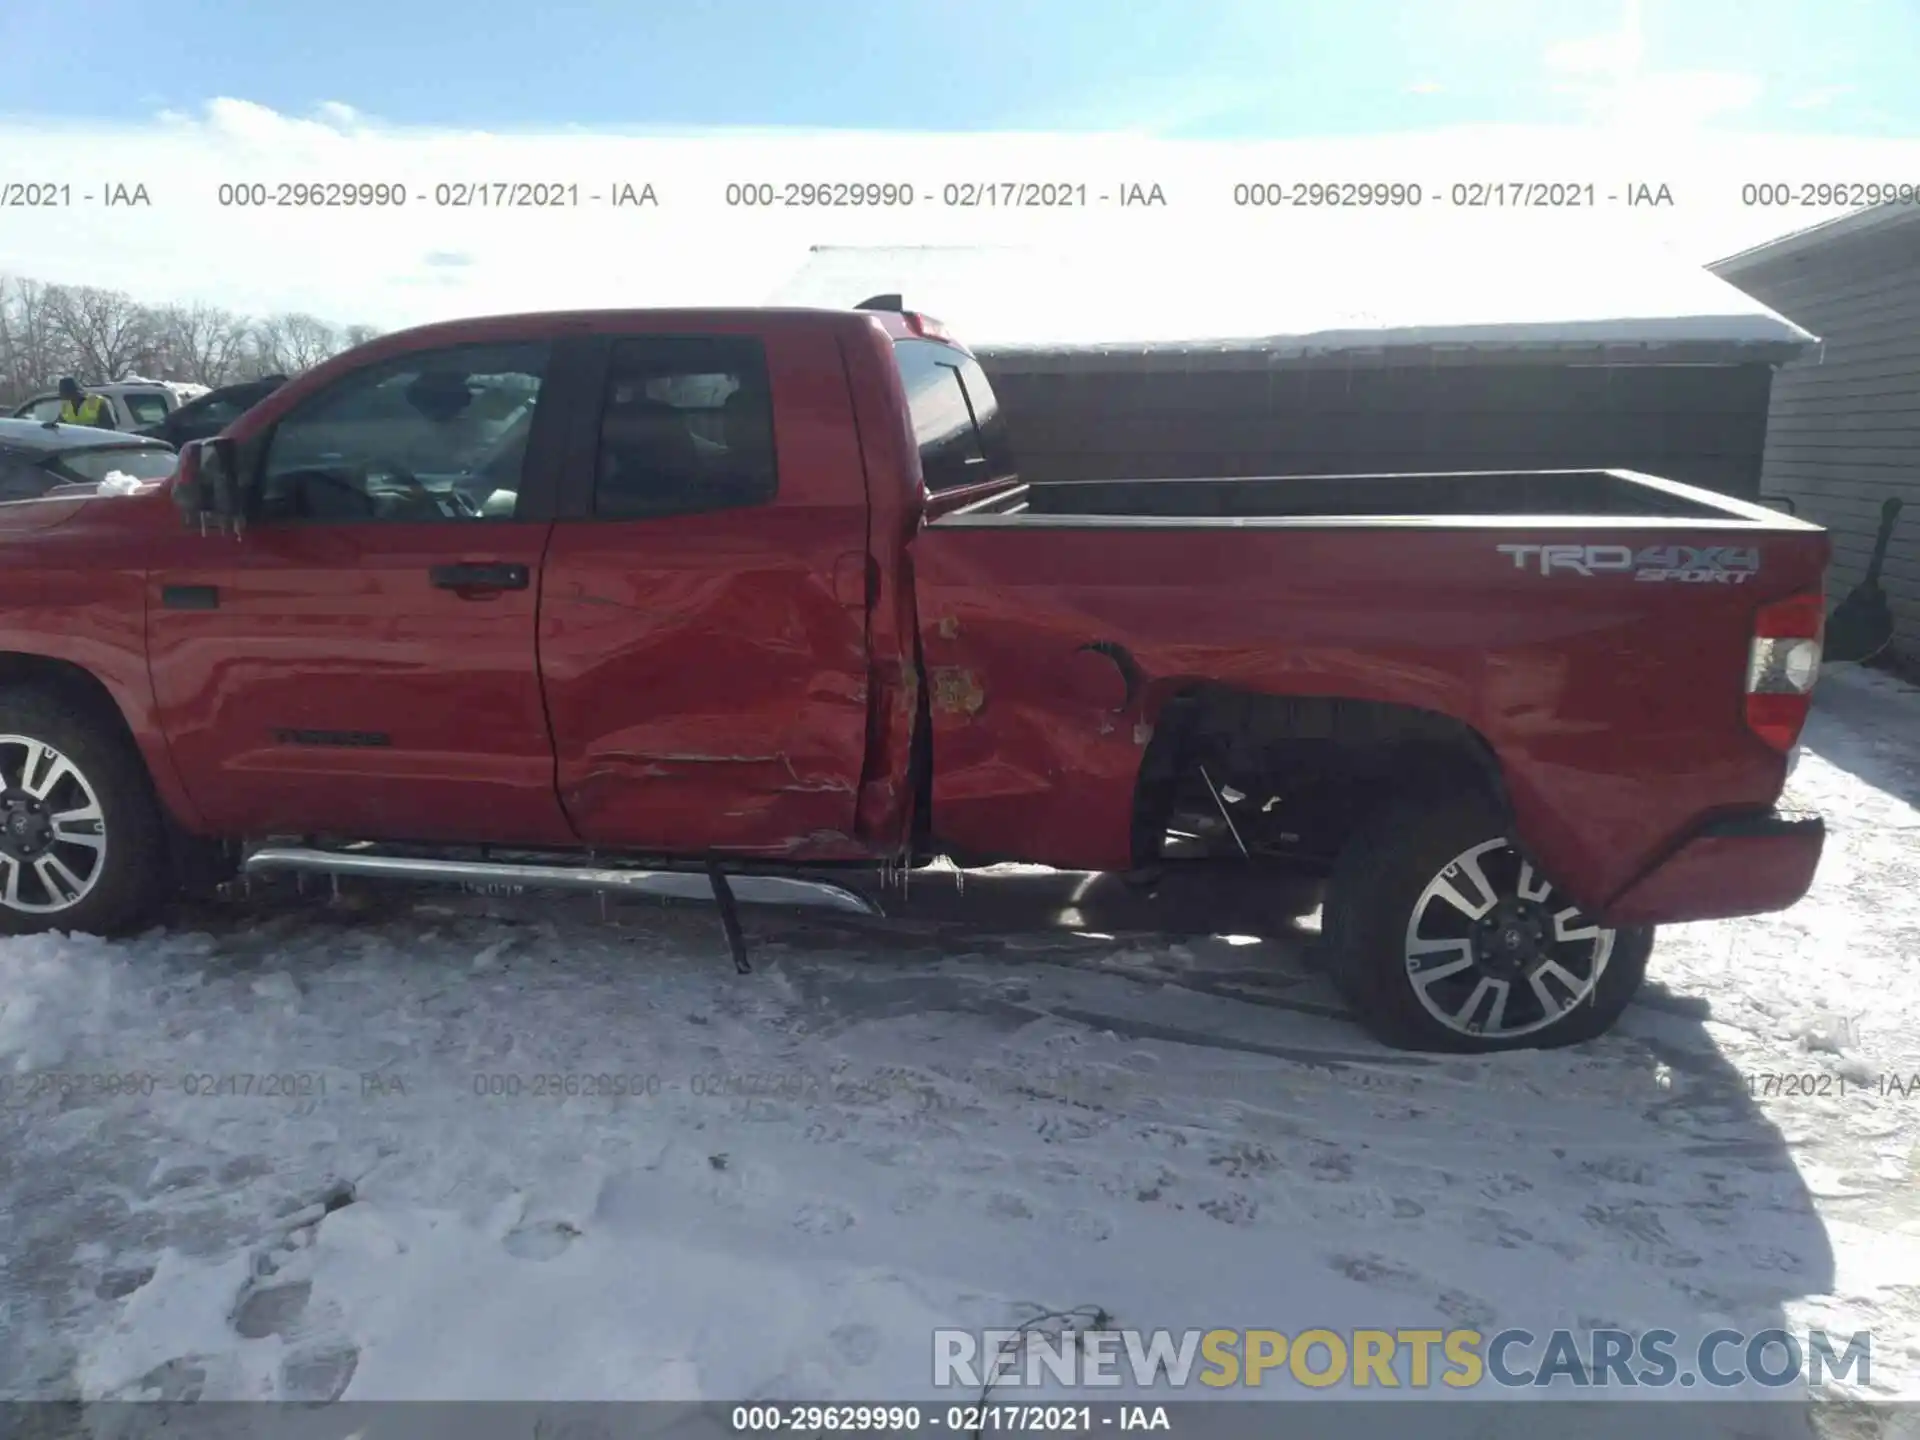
433 1146
56 999
118 482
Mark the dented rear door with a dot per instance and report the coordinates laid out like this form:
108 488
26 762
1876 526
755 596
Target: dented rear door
703 629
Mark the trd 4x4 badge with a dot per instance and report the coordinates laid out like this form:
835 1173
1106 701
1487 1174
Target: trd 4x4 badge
1704 565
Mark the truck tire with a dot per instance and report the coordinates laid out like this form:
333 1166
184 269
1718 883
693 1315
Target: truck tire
1442 937
82 845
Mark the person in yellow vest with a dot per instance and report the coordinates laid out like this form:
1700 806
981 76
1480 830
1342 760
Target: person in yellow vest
80 408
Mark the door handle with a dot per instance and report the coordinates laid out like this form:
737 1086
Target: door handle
480 577
190 597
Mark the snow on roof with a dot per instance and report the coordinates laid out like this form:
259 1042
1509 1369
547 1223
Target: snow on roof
1874 219
1298 296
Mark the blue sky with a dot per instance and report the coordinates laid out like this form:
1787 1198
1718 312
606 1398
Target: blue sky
1200 69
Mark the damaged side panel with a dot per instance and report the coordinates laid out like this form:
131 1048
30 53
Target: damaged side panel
707 674
700 712
1036 729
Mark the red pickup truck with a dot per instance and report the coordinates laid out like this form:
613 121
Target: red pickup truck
754 603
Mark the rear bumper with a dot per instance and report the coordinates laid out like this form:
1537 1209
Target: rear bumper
1745 865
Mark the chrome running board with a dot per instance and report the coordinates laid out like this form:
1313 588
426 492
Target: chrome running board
670 884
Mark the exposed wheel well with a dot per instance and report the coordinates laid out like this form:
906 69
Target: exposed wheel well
1306 770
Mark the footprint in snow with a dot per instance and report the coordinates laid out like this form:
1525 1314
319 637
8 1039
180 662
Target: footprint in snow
539 1242
1241 1160
244 1168
1332 1165
1621 1169
1487 1226
320 1373
1235 1209
915 1198
1639 1224
822 1218
271 1310
1004 1206
1088 1225
181 1379
1467 1310
180 1177
856 1343
118 1284
1380 1273
1055 1129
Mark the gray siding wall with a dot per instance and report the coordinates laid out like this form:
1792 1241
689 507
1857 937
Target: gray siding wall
1843 430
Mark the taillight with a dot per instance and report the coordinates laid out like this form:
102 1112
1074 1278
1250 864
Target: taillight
927 327
1782 664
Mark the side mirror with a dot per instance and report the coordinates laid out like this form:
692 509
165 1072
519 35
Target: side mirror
205 488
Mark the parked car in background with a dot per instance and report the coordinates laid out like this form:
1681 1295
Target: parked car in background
37 460
207 416
136 403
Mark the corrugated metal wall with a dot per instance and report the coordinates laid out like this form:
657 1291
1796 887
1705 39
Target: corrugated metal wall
1844 430
1704 424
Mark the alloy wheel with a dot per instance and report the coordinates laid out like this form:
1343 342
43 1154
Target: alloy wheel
1493 951
53 834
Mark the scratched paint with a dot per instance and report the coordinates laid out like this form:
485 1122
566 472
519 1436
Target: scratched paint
956 691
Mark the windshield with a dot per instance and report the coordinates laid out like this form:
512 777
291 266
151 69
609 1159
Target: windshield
148 407
141 463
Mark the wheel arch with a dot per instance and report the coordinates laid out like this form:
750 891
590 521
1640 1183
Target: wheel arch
130 716
1383 751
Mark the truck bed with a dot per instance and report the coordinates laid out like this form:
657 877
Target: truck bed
1491 496
1592 627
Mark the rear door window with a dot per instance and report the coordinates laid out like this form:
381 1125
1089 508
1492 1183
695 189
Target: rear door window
686 425
956 417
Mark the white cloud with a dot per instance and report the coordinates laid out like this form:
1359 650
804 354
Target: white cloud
1821 97
425 261
1609 75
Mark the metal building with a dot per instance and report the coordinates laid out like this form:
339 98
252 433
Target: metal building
1844 433
1340 353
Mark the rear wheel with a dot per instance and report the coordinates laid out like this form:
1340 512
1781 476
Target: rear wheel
81 842
1443 936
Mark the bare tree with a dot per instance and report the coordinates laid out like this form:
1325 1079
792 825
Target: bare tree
288 344
47 331
203 343
33 351
107 330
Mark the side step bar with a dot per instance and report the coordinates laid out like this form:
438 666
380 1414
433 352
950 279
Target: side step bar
713 884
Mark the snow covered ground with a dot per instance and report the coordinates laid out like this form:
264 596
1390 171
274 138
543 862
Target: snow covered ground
926 1121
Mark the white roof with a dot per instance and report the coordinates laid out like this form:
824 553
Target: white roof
1298 296
1877 219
